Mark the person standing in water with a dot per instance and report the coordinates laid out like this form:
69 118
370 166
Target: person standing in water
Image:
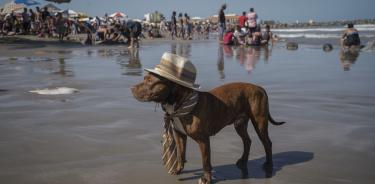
222 25
252 20
350 37
173 25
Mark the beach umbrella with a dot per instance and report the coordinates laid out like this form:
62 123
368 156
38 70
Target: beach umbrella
59 1
9 7
26 2
118 15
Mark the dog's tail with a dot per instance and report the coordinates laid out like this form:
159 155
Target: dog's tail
273 121
269 113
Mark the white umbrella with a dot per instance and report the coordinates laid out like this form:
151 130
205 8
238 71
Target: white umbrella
9 7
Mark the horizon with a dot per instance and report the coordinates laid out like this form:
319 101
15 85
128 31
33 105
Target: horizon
292 10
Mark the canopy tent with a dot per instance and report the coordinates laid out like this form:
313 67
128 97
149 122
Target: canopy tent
27 2
11 6
52 8
118 15
59 1
70 13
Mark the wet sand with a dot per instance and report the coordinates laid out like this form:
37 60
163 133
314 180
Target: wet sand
103 135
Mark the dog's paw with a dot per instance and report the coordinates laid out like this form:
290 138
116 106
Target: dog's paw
268 168
243 167
203 180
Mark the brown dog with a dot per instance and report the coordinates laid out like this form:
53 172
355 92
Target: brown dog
233 103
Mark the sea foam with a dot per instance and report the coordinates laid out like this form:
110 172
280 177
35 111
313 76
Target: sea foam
55 91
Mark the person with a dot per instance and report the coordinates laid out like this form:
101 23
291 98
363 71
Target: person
32 21
222 21
60 26
38 19
228 37
2 23
189 28
173 25
88 40
252 20
45 14
267 35
185 26
256 37
242 20
350 37
133 30
239 36
181 29
25 21
7 25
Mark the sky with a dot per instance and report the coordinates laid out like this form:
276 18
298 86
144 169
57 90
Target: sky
279 10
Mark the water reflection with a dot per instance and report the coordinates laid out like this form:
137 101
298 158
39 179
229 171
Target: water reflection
247 57
182 49
347 58
220 63
63 69
132 65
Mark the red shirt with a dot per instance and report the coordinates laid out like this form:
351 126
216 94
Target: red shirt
241 20
227 39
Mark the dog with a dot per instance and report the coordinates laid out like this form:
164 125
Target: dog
233 103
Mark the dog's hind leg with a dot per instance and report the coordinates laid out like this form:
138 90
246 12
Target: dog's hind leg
261 127
241 128
259 118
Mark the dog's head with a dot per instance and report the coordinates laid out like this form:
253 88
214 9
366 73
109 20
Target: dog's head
153 89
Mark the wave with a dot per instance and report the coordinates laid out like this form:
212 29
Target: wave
307 35
364 27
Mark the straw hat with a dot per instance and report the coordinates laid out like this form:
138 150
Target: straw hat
177 69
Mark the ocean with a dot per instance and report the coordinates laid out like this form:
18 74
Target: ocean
324 34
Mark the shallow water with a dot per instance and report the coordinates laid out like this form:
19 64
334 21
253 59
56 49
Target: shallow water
103 135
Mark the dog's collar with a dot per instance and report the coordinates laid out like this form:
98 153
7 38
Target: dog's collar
176 111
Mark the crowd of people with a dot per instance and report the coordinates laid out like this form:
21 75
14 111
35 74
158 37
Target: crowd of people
43 23
40 22
182 27
246 32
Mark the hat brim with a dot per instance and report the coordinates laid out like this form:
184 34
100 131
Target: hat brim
174 79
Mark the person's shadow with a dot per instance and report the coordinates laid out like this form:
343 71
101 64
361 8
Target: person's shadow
231 172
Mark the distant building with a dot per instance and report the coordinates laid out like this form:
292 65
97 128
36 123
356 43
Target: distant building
154 17
231 18
311 22
197 20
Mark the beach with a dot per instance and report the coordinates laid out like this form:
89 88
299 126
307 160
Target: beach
101 134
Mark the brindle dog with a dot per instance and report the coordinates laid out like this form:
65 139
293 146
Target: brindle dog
233 103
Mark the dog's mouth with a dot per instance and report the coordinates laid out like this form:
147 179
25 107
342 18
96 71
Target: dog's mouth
144 97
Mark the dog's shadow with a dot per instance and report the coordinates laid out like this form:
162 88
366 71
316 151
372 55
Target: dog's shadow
231 172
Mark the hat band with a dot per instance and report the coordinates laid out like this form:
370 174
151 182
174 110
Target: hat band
183 75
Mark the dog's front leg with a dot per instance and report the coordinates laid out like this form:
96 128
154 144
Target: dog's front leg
204 145
181 144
